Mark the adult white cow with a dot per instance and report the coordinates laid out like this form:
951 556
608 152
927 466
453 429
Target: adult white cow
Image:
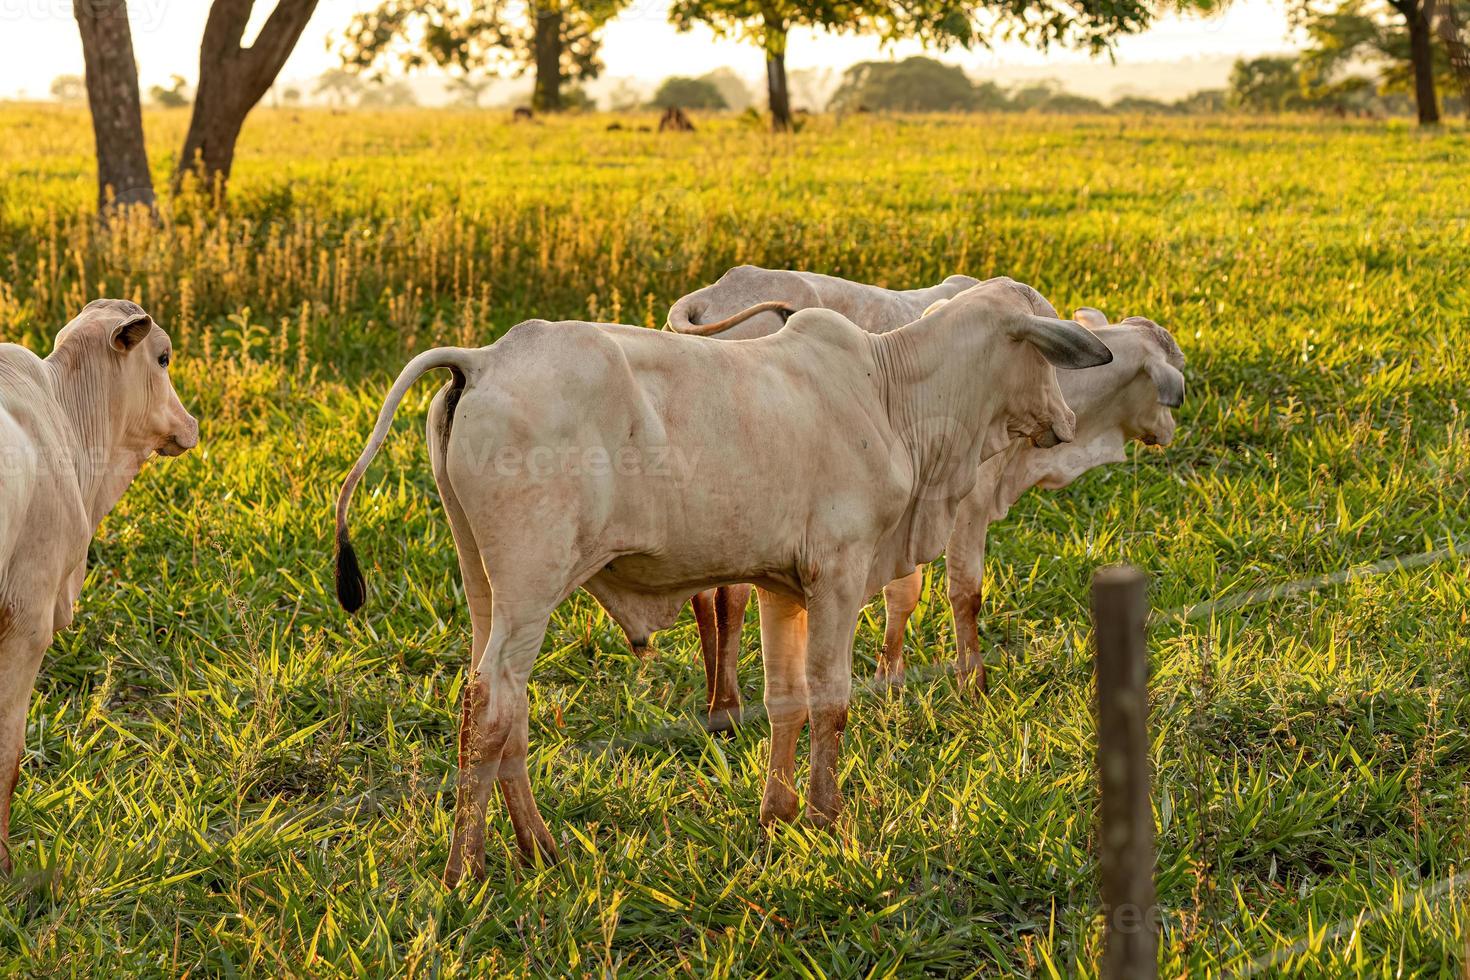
75 429
1130 399
568 454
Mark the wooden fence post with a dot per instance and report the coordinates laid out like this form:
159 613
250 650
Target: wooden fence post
1126 836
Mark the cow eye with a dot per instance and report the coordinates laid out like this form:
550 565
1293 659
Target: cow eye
163 359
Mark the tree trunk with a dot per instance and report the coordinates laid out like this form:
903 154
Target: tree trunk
232 79
777 94
117 115
547 95
1421 51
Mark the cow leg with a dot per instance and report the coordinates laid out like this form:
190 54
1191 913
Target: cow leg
23 641
724 704
531 832
703 604
831 624
494 739
783 652
477 591
965 568
472 573
900 598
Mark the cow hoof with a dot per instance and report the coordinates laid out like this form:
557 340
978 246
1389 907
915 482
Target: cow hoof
454 873
778 805
543 850
889 679
824 817
723 721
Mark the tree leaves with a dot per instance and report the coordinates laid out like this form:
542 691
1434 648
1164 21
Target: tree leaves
472 36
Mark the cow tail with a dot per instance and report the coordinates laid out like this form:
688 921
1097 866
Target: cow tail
685 311
708 329
351 587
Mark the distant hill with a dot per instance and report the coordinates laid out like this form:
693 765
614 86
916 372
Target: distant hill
1164 80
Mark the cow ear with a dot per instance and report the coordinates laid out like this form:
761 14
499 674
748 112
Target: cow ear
130 333
1167 379
1063 342
1090 318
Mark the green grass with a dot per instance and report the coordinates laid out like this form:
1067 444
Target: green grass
226 775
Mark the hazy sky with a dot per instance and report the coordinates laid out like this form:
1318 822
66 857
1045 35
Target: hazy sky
38 41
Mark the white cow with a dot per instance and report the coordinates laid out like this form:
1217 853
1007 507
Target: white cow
1129 399
569 454
75 429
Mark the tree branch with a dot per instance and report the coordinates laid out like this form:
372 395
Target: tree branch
225 27
232 80
278 37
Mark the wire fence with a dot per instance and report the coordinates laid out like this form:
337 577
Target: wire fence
1427 895
1316 583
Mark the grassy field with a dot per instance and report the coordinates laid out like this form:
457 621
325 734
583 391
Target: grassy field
226 775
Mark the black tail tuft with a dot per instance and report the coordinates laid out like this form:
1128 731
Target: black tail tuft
351 589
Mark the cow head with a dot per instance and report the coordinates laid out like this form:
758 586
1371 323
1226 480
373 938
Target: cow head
1143 386
1038 343
118 360
1038 412
1152 420
1022 343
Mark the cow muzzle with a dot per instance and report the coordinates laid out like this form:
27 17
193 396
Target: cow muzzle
185 438
1062 429
1047 438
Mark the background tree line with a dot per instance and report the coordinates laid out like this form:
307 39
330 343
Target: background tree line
1362 54
1410 46
557 41
920 84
